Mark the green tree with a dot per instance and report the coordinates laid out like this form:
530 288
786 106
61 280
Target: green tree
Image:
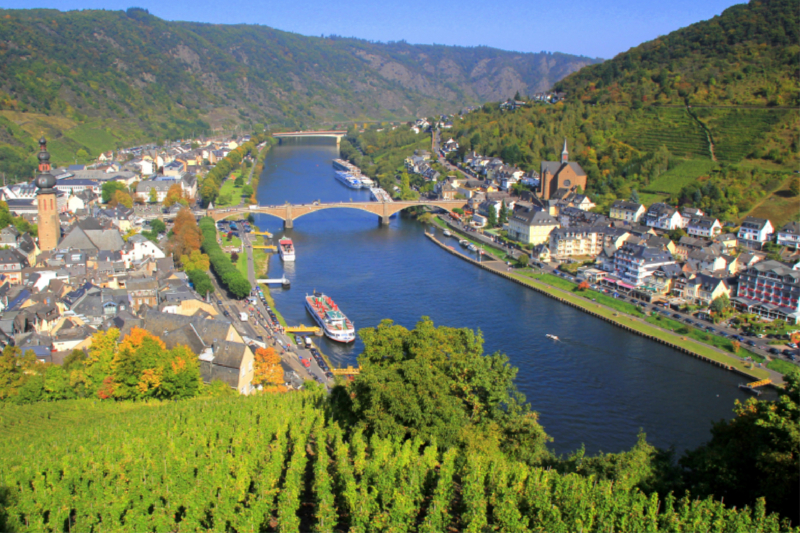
491 218
436 384
505 212
82 154
635 197
247 191
720 304
109 188
158 226
153 198
756 454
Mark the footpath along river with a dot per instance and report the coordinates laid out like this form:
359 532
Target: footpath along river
599 386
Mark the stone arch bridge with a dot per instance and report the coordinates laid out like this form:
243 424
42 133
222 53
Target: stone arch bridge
289 213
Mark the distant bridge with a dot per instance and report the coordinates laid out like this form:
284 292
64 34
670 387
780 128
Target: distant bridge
289 213
336 134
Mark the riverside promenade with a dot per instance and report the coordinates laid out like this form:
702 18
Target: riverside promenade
705 352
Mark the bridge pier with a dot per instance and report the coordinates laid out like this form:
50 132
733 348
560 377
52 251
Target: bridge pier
288 223
384 221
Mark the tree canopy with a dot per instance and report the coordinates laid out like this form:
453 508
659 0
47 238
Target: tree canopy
435 383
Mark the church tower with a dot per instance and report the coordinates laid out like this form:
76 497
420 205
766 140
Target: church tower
49 225
564 153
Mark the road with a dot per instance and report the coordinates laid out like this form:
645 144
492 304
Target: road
759 346
290 351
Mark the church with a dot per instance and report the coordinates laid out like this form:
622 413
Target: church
565 175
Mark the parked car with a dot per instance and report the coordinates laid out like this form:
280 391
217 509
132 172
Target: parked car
774 351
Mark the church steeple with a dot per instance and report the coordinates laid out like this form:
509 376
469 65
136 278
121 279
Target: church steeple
564 153
44 156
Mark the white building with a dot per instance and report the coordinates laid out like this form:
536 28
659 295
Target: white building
789 235
755 230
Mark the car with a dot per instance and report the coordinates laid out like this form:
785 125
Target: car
791 345
676 315
787 353
751 343
219 302
688 321
722 333
774 351
711 330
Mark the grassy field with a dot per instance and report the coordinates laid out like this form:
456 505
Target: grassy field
649 199
271 304
780 207
228 188
499 253
241 265
683 174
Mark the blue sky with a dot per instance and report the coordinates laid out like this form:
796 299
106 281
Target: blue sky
591 28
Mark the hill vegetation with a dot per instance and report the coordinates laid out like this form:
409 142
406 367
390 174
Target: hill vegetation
96 80
748 55
430 436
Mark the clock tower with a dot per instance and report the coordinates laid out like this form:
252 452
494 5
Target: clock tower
49 225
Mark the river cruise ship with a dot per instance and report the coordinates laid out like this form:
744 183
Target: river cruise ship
327 315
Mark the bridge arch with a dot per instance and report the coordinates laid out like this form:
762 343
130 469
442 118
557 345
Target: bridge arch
289 213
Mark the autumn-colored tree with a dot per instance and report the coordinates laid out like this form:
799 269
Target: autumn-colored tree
144 368
121 198
186 236
197 260
735 345
268 371
174 193
583 286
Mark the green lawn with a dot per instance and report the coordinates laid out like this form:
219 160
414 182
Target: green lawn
649 199
499 253
241 265
228 188
779 365
723 343
683 174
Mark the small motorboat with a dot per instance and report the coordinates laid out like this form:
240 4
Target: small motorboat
447 233
553 337
463 242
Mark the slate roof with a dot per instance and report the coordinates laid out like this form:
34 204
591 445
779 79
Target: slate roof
210 331
553 167
186 336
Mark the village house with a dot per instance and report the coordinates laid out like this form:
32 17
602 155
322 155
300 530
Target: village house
630 212
703 226
585 241
633 263
789 235
755 231
664 217
529 225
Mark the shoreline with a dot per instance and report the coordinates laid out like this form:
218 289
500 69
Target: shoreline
543 289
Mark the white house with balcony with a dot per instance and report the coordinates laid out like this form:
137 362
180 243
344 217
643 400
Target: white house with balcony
789 235
755 230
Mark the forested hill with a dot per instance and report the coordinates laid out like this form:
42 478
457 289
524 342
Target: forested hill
748 55
169 79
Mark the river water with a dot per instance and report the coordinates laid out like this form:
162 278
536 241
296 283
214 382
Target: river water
599 386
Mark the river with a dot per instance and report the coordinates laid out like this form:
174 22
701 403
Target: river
599 386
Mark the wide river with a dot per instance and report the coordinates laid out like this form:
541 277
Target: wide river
599 386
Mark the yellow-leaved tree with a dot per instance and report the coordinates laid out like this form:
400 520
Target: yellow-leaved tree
268 371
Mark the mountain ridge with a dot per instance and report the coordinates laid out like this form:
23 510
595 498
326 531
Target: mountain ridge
161 79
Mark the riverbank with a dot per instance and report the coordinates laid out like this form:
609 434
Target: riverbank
631 324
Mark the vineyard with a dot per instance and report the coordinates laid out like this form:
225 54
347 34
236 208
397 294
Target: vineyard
274 463
684 173
649 129
737 132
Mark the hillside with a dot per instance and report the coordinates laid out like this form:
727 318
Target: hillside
748 55
99 79
275 463
676 119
